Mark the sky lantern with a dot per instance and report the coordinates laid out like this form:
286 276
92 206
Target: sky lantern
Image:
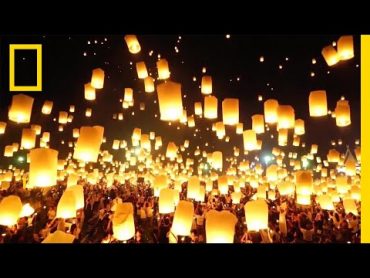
283 137
220 130
198 110
350 206
132 44
325 202
170 101
163 69
303 199
304 182
97 79
129 95
210 107
149 84
345 48
43 167
206 87
286 116
47 107
183 218
314 148
27 210
28 139
239 128
67 205
258 123
318 104
8 151
63 117
88 112
10 210
330 55
333 156
160 182
89 92
285 188
270 110
75 133
88 143
223 186
123 222
299 128
193 187
141 70
249 140
230 111
220 226
217 160
2 127
256 215
59 237
166 201
78 192
72 179
171 150
272 173
343 113
236 196
20 109
36 128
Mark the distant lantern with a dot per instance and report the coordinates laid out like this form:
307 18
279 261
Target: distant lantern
325 202
191 121
67 205
230 111
183 218
270 110
272 173
129 95
198 109
149 84
20 109
43 167
71 108
350 206
88 112
249 140
304 182
285 188
78 192
343 113
132 44
89 92
210 107
2 127
36 128
8 151
314 148
116 144
47 107
163 69
256 215
330 55
345 47
333 156
123 222
10 210
239 128
223 186
166 201
217 160
258 123
171 150
303 199
88 144
97 79
193 187
220 130
206 87
76 133
299 128
63 117
141 70
28 139
286 116
220 226
318 104
170 101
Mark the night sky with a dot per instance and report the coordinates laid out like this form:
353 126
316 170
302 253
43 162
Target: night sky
232 62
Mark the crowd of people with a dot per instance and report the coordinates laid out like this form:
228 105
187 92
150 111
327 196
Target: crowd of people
288 222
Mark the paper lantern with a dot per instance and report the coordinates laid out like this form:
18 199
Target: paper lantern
123 222
206 87
285 188
318 104
304 200
149 84
358 153
325 202
249 140
286 116
170 101
36 128
160 182
230 111
136 134
28 139
67 205
343 113
72 180
236 196
89 92
171 150
193 187
256 215
27 210
141 70
115 145
163 69
166 201
78 192
333 156
20 109
223 186
330 55
59 237
8 151
198 110
88 144
43 167
45 137
283 137
217 160
97 79
132 44
129 95
345 48
342 184
304 182
88 112
191 121
314 149
258 124
183 218
350 206
220 226
270 110
299 128
272 173
210 107
10 210
239 128
71 108
47 107
2 127
220 130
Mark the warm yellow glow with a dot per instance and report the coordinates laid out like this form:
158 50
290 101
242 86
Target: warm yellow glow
132 44
256 215
230 111
10 210
318 104
183 218
220 226
170 101
97 79
21 108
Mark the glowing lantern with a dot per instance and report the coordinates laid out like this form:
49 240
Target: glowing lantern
272 173
43 167
27 210
220 226
97 79
28 138
270 110
88 112
36 128
318 104
78 192
285 188
345 47
129 95
223 186
166 201
343 113
350 206
258 124
191 121
210 107
171 150
59 237
217 160
149 84
236 196
170 101
163 70
71 108
88 143
220 130
198 109
283 137
239 128
10 210
304 182
299 127
89 92
256 215
286 116
249 140
8 151
132 44
20 109
342 184
47 107
325 202
193 187
333 156
183 218
115 145
72 180
123 221
2 127
314 149
63 117
67 205
141 70
330 55
230 111
206 87
304 200
358 153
